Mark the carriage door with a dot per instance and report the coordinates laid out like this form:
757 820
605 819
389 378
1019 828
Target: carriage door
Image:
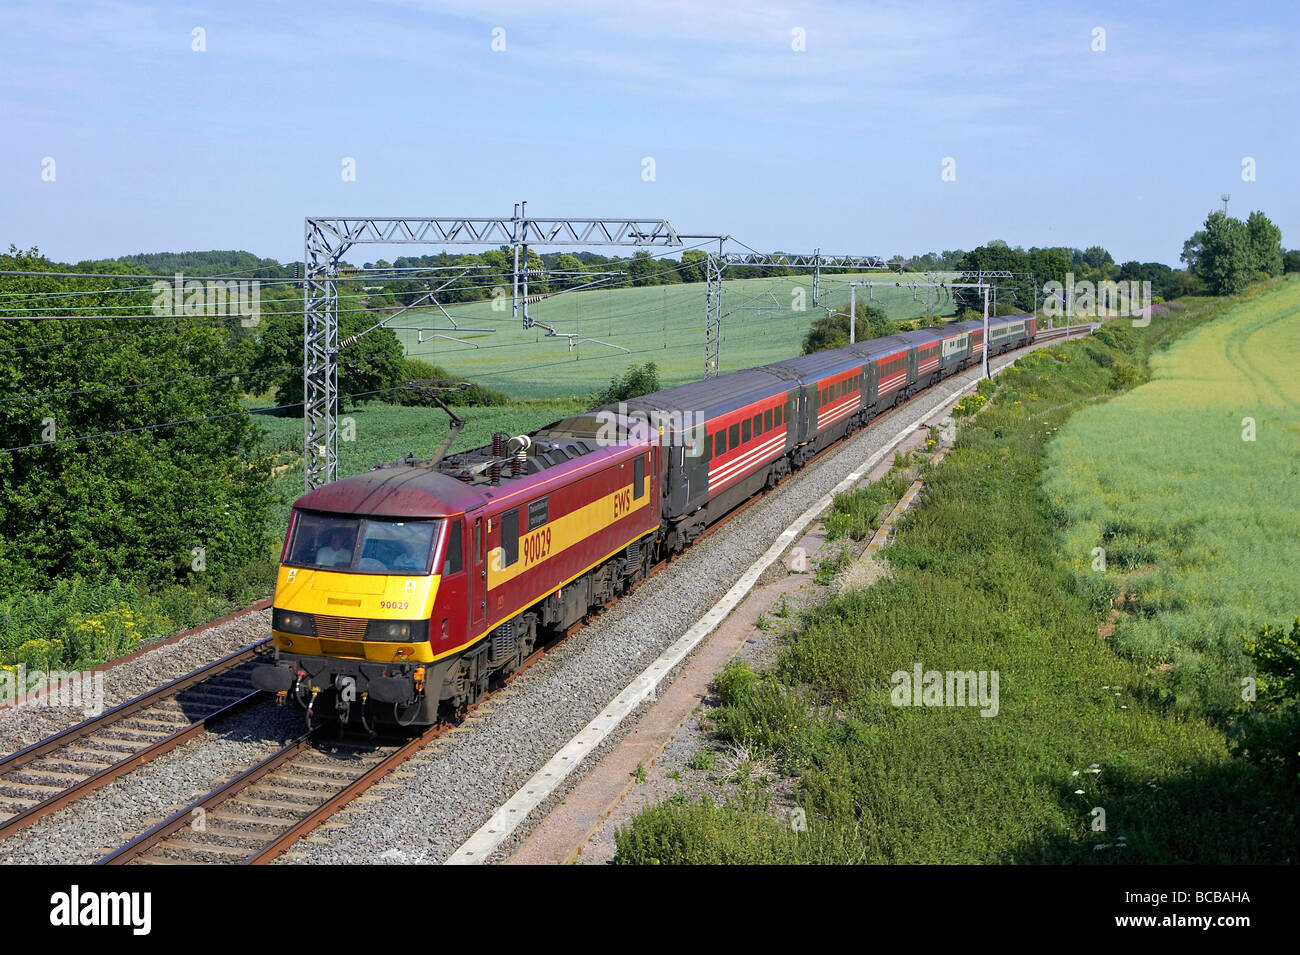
478 599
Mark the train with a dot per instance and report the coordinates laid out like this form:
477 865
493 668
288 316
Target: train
407 592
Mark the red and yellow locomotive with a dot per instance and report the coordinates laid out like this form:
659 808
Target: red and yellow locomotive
412 587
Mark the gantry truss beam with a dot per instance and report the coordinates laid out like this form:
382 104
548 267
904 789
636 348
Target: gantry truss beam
802 260
515 230
329 237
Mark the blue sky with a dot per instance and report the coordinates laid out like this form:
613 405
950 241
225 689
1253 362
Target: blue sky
839 146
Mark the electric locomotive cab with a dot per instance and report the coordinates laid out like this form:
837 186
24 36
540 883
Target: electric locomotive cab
366 603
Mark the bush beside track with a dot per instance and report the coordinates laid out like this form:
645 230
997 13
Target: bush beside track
977 583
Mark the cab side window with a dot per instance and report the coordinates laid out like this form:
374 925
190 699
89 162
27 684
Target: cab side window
509 537
451 562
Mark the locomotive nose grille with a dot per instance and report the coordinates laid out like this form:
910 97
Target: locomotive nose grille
341 648
340 628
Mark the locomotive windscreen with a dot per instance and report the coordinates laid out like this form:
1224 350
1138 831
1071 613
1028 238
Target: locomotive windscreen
361 545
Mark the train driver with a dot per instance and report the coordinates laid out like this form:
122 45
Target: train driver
336 551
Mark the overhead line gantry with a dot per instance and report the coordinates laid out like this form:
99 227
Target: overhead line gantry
327 238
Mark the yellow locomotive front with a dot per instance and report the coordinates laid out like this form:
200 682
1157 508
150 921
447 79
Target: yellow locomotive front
355 596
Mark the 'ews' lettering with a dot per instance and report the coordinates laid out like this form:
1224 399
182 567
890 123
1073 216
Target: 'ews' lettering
622 502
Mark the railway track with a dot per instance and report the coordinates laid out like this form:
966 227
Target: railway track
46 776
262 812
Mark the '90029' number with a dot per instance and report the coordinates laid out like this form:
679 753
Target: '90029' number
537 546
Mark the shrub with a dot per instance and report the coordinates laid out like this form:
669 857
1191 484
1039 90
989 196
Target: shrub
1271 725
638 380
735 683
412 369
704 834
969 405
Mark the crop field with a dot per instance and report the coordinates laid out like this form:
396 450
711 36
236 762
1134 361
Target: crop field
1191 485
663 324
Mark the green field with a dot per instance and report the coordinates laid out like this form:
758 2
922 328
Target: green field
663 324
1201 529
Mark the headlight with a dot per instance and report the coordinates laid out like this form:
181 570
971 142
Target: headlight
398 630
289 621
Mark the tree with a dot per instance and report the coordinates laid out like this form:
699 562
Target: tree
1049 265
567 263
1182 282
693 265
1291 261
1191 254
638 380
135 505
373 362
832 330
1265 243
1226 261
1016 290
1095 257
1157 273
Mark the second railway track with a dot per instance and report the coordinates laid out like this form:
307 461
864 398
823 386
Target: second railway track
46 776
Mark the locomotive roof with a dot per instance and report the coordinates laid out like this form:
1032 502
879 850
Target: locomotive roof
395 492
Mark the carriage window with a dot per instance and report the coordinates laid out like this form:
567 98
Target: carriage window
767 420
638 477
509 537
778 416
744 431
733 436
451 562
720 444
758 425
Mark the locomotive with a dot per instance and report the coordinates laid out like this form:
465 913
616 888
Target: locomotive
406 592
